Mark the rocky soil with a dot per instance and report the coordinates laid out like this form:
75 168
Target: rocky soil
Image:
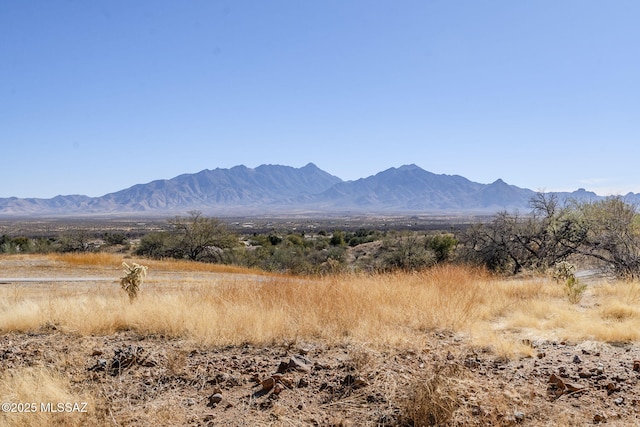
152 380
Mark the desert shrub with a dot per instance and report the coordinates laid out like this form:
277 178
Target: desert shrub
442 246
565 273
274 239
16 245
133 277
159 244
432 398
408 253
77 241
296 239
361 236
337 238
292 255
113 239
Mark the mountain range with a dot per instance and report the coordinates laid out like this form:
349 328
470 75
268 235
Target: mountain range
276 189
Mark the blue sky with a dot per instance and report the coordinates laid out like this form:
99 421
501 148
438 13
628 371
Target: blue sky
96 96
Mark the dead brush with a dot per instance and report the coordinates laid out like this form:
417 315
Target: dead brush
432 398
133 277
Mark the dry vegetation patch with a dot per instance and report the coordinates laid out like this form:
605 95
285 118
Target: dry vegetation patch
450 345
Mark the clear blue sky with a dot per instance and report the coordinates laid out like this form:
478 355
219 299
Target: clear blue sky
96 96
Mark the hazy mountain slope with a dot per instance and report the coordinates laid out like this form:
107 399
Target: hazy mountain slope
237 186
412 188
284 189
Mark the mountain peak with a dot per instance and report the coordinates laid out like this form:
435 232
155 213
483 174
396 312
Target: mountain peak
410 167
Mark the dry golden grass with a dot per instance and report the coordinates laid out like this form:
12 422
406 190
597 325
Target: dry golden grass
381 310
102 259
37 393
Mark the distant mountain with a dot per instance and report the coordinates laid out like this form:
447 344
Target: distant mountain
275 189
410 188
238 187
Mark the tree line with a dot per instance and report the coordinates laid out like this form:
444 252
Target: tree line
604 234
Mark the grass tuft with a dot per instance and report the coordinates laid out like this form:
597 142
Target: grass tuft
41 386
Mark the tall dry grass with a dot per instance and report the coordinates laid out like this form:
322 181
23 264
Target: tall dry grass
385 309
395 309
38 392
109 260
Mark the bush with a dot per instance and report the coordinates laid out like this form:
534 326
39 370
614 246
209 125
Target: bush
564 272
408 253
157 245
432 398
442 246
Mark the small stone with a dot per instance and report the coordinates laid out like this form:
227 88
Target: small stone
541 355
576 359
300 363
302 383
283 367
268 383
619 401
636 365
278 388
599 418
214 399
519 416
189 401
450 356
600 369
96 352
611 388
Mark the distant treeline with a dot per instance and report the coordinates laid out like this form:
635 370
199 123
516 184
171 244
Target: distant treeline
604 234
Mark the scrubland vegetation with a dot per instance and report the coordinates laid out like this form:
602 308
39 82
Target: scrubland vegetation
380 309
497 287
371 314
601 235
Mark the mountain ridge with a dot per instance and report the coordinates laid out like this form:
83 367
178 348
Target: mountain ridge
271 189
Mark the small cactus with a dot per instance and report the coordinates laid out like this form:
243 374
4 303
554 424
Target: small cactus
133 278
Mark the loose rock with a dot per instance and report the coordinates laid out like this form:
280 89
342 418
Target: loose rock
300 363
214 399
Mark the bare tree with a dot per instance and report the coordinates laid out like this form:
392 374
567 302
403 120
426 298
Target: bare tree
198 236
511 242
613 235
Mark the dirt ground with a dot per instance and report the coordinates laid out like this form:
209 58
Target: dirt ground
150 380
